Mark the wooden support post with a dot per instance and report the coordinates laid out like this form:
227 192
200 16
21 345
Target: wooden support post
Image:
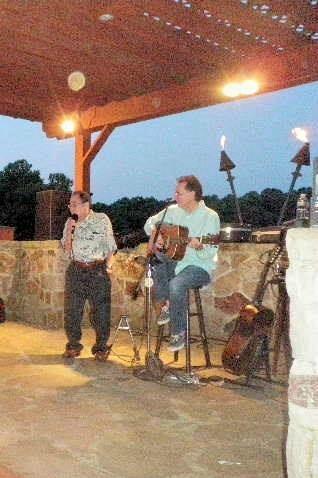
82 172
84 155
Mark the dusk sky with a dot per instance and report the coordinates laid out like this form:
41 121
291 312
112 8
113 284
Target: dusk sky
144 159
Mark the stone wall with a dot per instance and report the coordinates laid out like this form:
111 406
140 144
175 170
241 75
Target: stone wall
32 283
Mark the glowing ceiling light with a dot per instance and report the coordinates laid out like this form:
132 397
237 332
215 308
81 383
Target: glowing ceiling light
249 87
69 125
232 90
244 88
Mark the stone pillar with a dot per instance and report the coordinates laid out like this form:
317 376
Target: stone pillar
302 287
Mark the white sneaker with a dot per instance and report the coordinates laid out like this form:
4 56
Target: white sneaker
177 342
164 317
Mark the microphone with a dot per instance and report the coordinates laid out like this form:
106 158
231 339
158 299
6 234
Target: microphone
75 218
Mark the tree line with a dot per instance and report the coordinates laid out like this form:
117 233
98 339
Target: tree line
19 184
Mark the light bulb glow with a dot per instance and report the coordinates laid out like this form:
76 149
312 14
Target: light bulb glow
68 126
249 87
231 90
243 88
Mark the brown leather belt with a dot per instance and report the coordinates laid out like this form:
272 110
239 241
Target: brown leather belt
89 265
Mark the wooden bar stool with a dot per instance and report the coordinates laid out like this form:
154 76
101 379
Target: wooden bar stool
188 339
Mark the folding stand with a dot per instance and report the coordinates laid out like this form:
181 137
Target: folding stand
124 324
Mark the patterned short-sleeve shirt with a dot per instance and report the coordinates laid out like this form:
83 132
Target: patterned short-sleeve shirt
93 238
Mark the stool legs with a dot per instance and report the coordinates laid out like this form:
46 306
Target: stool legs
159 342
204 338
187 340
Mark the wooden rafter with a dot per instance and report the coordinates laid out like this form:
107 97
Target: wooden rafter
148 46
272 72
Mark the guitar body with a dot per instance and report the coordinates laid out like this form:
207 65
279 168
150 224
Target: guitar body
239 351
175 240
254 322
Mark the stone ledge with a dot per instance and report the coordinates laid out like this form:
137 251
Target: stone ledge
32 283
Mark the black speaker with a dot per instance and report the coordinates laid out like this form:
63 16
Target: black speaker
51 214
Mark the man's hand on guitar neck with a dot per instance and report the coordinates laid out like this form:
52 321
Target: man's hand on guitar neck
158 246
195 243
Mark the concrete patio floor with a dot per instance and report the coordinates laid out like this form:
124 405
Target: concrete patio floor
94 420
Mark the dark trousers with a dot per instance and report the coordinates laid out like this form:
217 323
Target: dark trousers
93 285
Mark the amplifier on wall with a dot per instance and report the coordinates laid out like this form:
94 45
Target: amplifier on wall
51 214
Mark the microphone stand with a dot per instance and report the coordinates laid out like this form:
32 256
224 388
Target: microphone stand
154 368
302 158
150 254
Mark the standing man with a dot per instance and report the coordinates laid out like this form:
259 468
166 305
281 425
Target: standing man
89 241
173 279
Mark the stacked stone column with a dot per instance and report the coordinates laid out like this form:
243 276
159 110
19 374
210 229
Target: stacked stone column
302 287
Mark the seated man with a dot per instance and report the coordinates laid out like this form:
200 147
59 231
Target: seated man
172 278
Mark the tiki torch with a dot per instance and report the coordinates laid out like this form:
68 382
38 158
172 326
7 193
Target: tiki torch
302 158
226 164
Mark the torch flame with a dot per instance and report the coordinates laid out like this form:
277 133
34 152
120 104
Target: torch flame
222 141
300 134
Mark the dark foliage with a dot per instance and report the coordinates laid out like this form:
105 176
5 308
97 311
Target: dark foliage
19 184
18 187
59 182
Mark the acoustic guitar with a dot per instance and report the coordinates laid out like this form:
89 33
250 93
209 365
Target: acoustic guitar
174 243
254 321
176 238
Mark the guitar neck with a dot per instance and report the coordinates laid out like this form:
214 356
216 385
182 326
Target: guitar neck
261 289
212 239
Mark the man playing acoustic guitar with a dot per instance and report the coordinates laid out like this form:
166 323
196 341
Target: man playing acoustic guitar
172 278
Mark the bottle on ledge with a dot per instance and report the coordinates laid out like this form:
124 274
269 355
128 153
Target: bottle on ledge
314 198
302 211
314 213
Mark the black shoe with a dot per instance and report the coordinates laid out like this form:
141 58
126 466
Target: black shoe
102 355
71 353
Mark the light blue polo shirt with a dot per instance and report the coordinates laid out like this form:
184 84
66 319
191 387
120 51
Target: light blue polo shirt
201 222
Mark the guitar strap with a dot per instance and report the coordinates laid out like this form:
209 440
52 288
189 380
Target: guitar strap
158 226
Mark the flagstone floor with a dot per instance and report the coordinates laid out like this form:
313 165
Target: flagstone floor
94 420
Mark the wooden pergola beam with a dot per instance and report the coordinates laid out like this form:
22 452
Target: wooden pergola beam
85 152
273 73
